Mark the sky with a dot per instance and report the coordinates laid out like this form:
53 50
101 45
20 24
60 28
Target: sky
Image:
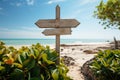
18 18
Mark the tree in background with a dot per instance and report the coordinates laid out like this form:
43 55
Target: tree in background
109 13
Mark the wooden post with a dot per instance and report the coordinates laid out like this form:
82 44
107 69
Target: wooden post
58 36
116 43
57 12
58 48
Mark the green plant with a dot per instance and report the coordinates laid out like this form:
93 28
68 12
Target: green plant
108 13
30 63
106 65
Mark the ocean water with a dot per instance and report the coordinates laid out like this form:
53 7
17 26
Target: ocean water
50 41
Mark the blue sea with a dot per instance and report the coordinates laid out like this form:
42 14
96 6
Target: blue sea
50 41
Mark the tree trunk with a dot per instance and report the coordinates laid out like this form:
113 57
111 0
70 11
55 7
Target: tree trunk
116 43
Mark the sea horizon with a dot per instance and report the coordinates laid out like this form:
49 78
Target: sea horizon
49 41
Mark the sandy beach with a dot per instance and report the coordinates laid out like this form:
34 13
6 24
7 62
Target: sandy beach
80 53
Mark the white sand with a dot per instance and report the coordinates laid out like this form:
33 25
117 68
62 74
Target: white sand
77 53
80 57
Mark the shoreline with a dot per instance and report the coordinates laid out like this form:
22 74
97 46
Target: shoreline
62 45
52 41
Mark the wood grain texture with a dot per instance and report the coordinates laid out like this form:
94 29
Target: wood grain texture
57 31
62 23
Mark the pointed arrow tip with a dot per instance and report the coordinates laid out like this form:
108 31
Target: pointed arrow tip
77 22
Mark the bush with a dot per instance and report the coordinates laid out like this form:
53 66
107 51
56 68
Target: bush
106 65
34 63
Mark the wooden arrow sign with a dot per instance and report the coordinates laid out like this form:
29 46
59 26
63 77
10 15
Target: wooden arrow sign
62 27
62 23
57 31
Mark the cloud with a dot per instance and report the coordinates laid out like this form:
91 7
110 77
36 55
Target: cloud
1 8
3 29
54 1
72 14
21 28
1 11
30 2
22 32
87 1
18 4
30 29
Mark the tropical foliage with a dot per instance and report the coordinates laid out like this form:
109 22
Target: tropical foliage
106 65
109 13
30 63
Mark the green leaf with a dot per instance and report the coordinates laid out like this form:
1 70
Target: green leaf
35 72
36 52
52 54
20 59
29 63
44 57
17 65
2 68
55 74
17 74
35 78
42 77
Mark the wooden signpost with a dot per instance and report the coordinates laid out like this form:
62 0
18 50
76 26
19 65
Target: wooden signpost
61 27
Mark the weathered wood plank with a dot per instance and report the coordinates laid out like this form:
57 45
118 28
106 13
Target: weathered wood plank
57 31
62 23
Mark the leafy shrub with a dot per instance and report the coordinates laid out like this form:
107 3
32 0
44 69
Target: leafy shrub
34 63
106 65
